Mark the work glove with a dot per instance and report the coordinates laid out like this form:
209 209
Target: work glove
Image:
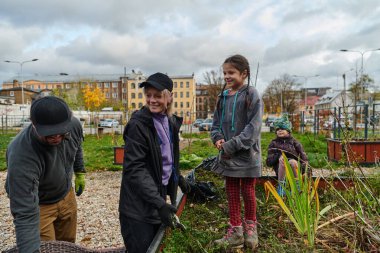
184 185
166 213
79 183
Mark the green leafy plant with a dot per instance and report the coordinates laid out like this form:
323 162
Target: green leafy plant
301 202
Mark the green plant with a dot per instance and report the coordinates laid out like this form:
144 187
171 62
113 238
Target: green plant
301 203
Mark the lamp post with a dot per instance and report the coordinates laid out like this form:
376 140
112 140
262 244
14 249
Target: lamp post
362 67
344 85
21 76
305 77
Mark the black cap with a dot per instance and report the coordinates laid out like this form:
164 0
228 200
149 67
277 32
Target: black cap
159 81
50 116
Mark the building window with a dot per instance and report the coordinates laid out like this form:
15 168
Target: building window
133 86
175 105
181 84
140 105
175 94
106 85
124 90
107 95
114 84
12 93
175 84
133 106
181 104
187 84
99 85
187 94
140 95
114 95
181 94
67 86
187 104
133 95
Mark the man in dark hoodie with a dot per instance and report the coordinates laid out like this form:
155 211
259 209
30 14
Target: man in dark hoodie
293 150
151 166
41 161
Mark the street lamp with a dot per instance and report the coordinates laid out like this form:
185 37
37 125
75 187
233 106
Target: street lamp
361 69
22 80
305 77
344 84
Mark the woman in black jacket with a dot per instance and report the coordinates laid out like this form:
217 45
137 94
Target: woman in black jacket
293 150
151 166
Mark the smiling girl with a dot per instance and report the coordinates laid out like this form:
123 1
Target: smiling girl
236 134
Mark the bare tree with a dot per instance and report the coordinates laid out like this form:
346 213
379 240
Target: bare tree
215 82
281 95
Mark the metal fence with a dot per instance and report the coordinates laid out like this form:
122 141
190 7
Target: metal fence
91 122
361 121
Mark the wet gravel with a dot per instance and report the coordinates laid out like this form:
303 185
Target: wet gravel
98 216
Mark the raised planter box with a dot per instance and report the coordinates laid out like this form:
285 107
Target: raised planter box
363 151
118 155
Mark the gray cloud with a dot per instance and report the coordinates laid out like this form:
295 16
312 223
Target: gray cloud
84 37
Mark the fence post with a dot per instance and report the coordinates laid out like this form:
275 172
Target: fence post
316 122
335 123
366 121
374 120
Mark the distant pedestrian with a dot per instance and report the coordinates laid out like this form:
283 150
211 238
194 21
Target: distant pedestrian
41 161
293 150
236 134
151 166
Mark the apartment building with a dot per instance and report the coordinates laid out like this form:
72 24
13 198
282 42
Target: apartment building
118 89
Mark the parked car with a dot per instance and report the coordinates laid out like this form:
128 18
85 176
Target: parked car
197 122
206 125
327 125
374 120
269 120
25 122
109 123
100 122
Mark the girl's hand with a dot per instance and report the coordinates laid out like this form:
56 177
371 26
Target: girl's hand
219 144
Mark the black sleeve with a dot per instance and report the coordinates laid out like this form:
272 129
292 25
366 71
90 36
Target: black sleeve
135 166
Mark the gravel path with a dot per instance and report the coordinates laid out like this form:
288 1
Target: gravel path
98 220
98 216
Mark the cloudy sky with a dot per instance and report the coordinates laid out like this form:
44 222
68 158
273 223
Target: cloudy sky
84 37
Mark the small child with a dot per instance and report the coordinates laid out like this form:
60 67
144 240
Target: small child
293 150
236 134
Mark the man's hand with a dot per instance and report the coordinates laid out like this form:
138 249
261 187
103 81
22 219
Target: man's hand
184 185
79 183
166 213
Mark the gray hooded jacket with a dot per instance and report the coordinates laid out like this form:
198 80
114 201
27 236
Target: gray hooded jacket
238 120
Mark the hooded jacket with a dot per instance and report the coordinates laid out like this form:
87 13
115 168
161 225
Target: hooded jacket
39 174
238 120
291 148
141 192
